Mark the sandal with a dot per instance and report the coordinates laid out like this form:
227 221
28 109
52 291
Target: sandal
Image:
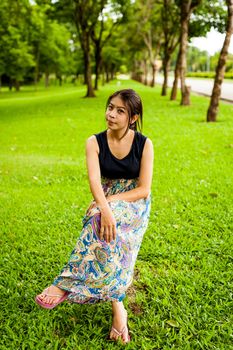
50 306
125 328
120 333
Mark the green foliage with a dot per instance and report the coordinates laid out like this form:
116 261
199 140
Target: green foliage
214 62
113 53
182 292
30 39
16 53
19 58
46 37
210 75
201 61
209 14
197 60
148 20
54 48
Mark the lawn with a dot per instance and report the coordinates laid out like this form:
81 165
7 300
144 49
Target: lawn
181 297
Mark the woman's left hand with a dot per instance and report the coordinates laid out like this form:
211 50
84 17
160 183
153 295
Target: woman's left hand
107 225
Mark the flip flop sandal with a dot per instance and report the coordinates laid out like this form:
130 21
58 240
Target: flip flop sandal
50 306
121 333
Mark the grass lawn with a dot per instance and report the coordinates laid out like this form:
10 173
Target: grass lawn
181 297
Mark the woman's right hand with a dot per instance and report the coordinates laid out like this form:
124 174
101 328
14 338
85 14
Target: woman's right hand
108 225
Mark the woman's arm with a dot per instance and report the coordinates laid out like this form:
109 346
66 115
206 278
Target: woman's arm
93 169
145 177
108 222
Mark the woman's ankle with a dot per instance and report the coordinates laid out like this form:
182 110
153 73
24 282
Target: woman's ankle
117 306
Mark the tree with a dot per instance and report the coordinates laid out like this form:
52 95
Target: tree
86 14
52 43
169 19
109 20
37 34
220 69
205 15
132 45
16 57
95 22
3 26
198 60
148 21
98 43
176 77
186 9
20 59
55 51
113 57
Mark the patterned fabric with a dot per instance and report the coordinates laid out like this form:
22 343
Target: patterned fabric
99 271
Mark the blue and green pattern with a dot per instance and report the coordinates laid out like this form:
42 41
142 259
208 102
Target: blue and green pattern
99 271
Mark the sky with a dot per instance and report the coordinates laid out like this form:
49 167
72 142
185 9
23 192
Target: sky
212 43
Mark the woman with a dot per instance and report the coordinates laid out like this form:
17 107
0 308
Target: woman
120 166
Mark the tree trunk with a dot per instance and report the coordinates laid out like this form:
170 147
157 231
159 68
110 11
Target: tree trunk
36 73
185 15
17 85
186 95
154 67
10 84
145 72
170 39
84 32
74 79
103 76
97 64
60 80
87 65
220 69
176 78
166 65
88 78
187 7
46 79
107 74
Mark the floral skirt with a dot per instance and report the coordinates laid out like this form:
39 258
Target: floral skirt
100 271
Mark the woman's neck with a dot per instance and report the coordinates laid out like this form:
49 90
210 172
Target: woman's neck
117 135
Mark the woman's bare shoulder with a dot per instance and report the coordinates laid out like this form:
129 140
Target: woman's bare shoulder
148 144
92 144
91 139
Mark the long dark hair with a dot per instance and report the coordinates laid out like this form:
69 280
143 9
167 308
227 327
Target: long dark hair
133 105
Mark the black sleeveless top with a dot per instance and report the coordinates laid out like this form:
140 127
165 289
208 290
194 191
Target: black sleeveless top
125 168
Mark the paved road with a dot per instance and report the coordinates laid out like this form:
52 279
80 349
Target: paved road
204 86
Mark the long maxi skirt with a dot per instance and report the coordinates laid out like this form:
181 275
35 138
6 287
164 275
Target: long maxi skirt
98 271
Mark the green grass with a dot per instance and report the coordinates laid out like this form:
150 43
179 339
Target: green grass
181 297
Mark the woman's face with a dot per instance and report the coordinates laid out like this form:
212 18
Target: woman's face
117 116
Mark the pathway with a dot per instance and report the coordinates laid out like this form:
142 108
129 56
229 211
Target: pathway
204 86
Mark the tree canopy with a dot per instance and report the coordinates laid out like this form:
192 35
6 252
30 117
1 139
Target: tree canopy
61 38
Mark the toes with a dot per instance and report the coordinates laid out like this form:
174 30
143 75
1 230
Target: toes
41 297
47 299
50 301
125 337
113 335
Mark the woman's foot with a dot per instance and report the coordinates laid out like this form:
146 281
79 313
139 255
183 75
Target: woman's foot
119 328
51 295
